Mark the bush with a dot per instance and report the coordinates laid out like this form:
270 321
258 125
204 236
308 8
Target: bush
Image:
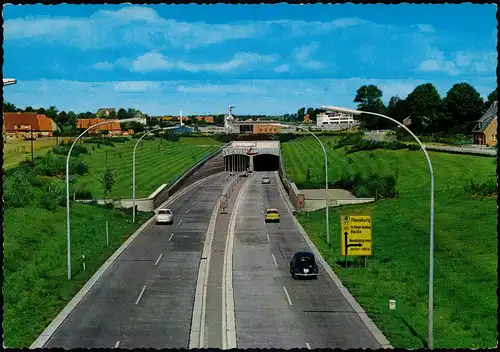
484 189
18 188
371 186
63 149
54 195
83 194
120 139
100 141
54 165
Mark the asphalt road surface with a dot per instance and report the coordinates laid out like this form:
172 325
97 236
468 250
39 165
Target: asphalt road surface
145 299
272 309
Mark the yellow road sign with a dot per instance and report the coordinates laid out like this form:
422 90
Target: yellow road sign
356 235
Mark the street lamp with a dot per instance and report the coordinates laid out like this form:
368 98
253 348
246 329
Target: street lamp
326 178
133 164
9 81
68 234
431 236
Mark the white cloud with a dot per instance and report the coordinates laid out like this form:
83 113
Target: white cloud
437 63
105 29
281 68
136 86
478 62
105 65
155 61
302 56
222 89
426 28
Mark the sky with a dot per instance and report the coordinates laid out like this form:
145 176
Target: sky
263 59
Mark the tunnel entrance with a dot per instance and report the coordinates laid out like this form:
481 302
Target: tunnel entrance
236 162
266 162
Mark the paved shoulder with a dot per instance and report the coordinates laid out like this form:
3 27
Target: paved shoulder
145 299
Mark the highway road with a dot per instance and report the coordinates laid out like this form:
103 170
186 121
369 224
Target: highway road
272 309
145 299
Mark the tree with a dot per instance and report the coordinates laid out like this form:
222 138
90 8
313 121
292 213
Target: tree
397 108
29 109
301 114
52 112
62 118
369 98
463 106
131 112
108 180
8 107
424 108
112 114
491 98
41 111
122 113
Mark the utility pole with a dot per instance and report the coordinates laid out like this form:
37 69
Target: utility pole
32 150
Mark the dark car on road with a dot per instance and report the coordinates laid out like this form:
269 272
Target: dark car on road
303 264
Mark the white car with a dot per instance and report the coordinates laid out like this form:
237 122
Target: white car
164 216
266 180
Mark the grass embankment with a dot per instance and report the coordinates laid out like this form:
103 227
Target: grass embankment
35 281
157 162
18 150
465 276
35 284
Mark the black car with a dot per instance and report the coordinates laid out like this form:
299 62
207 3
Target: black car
304 265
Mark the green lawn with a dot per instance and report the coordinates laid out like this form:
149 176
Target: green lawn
465 300
35 286
157 162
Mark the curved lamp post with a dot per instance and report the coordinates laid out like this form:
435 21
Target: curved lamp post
9 81
68 234
326 178
431 236
133 164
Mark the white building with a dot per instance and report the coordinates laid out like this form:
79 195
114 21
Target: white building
335 116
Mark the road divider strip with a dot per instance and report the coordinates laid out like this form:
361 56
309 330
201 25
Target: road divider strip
140 294
59 319
370 325
228 314
197 333
288 296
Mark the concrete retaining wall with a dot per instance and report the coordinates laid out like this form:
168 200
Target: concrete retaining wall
213 163
291 189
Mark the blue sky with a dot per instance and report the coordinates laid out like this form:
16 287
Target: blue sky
264 59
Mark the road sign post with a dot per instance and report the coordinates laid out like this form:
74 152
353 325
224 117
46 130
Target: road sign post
356 236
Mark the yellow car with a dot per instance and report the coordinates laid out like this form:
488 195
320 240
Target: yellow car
272 215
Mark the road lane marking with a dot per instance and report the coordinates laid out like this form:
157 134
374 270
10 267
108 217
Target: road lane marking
179 222
172 235
308 345
274 259
194 202
157 260
268 239
287 296
117 344
187 211
140 295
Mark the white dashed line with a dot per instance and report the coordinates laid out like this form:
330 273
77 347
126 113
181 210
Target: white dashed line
274 259
117 344
187 211
287 296
179 222
157 260
308 345
194 202
140 295
268 239
172 235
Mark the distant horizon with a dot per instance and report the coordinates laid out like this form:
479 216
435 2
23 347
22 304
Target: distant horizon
271 60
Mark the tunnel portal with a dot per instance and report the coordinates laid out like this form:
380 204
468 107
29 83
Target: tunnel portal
266 162
240 156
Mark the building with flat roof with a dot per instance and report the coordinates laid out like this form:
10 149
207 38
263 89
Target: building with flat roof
334 117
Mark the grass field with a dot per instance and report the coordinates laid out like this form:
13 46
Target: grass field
157 162
35 284
465 300
16 151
